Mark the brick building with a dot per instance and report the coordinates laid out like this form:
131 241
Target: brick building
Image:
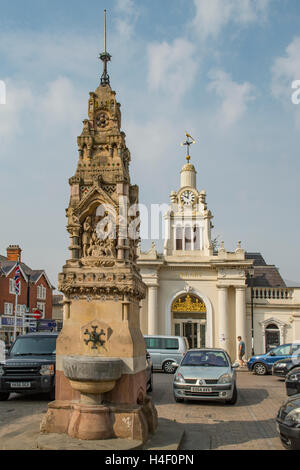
35 292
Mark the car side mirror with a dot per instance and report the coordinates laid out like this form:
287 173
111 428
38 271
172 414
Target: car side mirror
235 365
272 353
175 365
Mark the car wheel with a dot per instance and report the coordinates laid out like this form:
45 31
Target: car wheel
260 369
4 396
290 444
168 368
234 398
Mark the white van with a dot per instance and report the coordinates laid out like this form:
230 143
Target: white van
166 349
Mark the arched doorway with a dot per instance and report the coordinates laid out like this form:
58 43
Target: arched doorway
272 336
189 319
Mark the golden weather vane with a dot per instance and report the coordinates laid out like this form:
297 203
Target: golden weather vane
189 141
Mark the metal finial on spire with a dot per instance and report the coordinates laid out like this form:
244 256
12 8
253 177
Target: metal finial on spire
189 141
105 57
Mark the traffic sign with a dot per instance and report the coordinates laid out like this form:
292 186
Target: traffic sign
37 314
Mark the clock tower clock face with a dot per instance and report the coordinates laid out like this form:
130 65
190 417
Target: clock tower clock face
187 198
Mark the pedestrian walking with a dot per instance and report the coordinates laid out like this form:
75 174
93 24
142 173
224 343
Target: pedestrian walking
241 351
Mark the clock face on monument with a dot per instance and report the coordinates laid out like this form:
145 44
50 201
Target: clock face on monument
187 198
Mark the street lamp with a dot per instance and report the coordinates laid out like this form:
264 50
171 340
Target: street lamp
251 275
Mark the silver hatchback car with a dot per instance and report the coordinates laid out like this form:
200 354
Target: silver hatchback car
205 374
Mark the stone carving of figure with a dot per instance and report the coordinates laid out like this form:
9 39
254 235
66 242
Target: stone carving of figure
74 219
110 249
86 126
86 235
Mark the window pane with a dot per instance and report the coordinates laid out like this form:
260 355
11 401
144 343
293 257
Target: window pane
196 238
178 238
283 350
30 345
205 359
170 343
188 238
177 329
152 343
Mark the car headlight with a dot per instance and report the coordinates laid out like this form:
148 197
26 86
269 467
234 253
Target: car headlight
225 379
47 369
291 377
179 378
294 416
282 364
1 371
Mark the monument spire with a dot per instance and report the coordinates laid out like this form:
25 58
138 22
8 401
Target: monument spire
102 289
105 57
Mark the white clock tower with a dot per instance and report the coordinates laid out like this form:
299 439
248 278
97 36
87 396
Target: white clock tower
188 222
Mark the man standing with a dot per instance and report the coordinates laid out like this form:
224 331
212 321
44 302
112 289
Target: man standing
241 351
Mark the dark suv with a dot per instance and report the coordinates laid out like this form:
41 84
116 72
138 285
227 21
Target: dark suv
29 366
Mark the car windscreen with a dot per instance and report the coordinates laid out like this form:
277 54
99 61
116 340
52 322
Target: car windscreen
31 346
205 359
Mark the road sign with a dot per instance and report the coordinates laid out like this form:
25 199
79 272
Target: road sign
37 314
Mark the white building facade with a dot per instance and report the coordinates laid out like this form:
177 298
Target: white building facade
207 295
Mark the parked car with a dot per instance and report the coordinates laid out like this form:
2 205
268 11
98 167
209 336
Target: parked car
292 382
165 350
263 363
282 367
288 418
205 374
149 372
30 366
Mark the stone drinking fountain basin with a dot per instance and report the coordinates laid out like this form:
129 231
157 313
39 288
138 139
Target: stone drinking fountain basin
92 376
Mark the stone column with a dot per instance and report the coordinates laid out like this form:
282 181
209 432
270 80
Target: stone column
240 315
152 310
223 316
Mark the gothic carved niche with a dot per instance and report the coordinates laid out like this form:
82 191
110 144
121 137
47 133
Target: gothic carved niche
98 243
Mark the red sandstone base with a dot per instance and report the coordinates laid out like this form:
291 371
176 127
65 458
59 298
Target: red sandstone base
98 422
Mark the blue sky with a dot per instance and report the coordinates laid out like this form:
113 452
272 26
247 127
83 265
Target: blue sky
221 69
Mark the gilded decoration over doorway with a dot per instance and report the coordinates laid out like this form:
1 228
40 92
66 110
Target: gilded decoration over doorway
188 303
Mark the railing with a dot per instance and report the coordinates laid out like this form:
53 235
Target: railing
276 293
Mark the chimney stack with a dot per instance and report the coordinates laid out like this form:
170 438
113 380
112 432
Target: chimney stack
13 253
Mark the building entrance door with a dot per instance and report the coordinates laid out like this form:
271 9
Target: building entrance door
194 331
189 319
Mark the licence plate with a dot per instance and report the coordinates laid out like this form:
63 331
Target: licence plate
20 385
201 389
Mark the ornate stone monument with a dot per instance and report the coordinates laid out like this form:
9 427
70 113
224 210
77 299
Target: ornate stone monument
100 368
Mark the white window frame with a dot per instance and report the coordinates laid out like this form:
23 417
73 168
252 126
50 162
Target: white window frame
12 286
42 307
21 309
41 292
8 308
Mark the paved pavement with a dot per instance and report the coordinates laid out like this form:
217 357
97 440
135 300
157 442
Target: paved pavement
250 424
